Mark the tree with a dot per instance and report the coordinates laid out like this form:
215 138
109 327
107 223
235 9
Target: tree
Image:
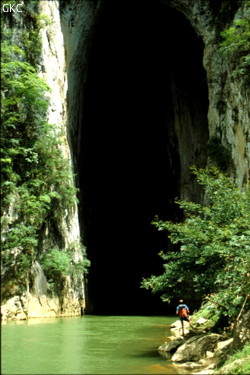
212 258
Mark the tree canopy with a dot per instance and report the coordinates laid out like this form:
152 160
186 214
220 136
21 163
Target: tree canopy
212 247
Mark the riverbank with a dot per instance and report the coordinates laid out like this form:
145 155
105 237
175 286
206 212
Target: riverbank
203 352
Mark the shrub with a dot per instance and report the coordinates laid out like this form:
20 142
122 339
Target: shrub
212 259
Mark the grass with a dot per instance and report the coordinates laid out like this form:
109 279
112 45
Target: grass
211 315
238 364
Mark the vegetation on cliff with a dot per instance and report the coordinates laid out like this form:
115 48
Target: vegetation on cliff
37 184
211 256
235 44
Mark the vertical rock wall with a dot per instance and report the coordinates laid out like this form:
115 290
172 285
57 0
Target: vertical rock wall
77 21
55 74
224 117
66 44
228 113
37 301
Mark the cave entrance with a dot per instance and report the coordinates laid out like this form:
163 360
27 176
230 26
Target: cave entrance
145 81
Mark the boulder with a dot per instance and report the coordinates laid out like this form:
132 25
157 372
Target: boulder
171 346
176 328
196 348
177 333
13 310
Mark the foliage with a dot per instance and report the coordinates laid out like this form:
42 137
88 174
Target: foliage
214 320
26 36
213 257
58 264
36 179
55 264
235 43
77 247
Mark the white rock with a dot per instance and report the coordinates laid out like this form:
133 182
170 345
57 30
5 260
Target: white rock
223 344
209 354
201 321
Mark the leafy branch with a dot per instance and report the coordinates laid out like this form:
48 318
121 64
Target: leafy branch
212 257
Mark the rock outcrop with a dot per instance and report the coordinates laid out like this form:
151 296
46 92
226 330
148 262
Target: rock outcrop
196 348
200 352
228 113
176 328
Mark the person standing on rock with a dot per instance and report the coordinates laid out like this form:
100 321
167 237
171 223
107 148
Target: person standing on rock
182 310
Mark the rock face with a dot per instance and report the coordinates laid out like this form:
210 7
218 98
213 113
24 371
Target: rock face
37 300
77 21
71 301
224 119
228 113
215 113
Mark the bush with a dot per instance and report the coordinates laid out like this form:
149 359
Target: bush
56 264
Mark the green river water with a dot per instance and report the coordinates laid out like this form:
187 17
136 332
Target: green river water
89 344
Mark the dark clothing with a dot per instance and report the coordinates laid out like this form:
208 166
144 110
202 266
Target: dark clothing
186 318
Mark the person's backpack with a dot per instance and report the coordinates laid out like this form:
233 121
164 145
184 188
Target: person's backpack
183 312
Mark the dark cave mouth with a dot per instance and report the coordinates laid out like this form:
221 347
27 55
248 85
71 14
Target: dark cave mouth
130 152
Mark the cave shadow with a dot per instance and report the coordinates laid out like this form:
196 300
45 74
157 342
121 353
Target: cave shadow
129 167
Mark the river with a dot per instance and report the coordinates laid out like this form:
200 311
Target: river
89 344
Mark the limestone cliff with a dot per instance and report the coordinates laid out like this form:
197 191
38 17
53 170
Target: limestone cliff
228 112
226 121
214 114
60 233
150 90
